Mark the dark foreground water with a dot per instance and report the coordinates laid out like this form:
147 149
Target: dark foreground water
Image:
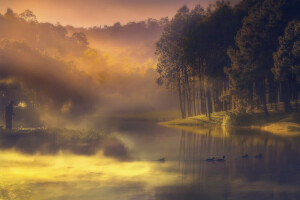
122 165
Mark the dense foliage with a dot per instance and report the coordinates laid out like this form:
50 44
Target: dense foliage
229 57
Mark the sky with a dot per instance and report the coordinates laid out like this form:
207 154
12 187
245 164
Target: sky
89 13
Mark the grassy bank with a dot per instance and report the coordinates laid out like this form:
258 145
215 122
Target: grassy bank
200 120
278 122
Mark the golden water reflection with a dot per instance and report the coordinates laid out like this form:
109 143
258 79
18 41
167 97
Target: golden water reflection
78 177
62 165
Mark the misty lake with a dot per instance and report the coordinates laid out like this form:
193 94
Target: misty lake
58 169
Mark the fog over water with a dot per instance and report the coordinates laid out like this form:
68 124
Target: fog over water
103 167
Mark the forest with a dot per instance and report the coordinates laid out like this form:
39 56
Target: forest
70 73
238 58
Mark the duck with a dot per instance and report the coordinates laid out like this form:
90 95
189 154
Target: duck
161 160
210 159
258 156
245 156
221 159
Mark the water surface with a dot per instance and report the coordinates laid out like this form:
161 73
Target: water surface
123 164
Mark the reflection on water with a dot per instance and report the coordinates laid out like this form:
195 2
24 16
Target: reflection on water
274 176
52 141
121 164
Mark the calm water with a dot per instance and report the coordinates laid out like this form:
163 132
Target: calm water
124 166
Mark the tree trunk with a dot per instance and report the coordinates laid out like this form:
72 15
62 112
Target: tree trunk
286 96
208 99
212 99
179 92
194 99
198 102
188 92
183 94
261 90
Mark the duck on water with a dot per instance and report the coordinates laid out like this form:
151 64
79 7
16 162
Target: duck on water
210 159
246 156
221 159
214 159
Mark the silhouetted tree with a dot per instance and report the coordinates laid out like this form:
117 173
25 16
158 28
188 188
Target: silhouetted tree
222 58
287 62
28 16
256 41
80 38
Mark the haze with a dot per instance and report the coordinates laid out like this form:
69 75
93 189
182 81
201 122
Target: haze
88 13
64 71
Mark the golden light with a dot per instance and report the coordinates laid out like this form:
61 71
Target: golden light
22 105
30 172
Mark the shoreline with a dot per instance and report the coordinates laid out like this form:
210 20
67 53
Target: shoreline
278 123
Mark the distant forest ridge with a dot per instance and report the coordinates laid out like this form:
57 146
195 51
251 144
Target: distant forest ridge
134 39
56 72
133 30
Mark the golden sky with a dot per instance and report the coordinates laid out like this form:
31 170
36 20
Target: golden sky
87 13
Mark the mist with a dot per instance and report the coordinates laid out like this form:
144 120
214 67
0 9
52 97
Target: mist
66 75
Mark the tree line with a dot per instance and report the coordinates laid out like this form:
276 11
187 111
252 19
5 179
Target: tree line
137 32
232 57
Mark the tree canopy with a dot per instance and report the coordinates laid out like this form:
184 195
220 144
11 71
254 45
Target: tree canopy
231 57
